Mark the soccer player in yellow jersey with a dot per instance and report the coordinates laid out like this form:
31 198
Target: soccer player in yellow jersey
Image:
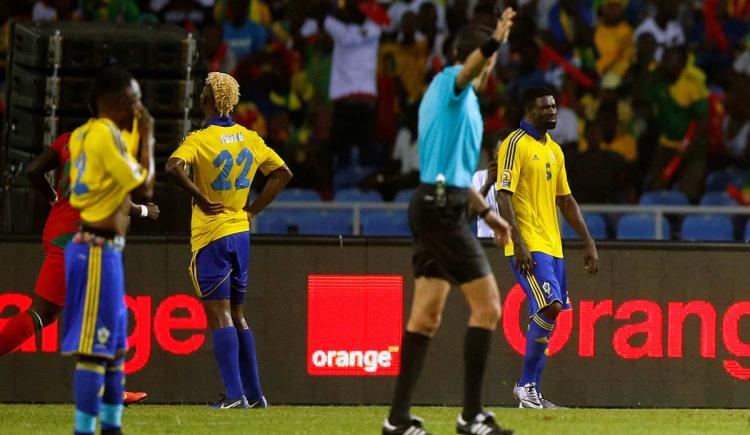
531 184
225 157
103 176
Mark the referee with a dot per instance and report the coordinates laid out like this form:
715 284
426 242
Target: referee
446 251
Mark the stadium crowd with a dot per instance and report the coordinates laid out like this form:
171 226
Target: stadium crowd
334 85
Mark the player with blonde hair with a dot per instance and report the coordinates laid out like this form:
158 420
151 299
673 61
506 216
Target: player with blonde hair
224 157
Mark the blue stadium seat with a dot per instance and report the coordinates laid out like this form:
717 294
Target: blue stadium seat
664 197
385 223
350 177
327 222
747 231
716 228
279 220
356 195
641 227
717 199
717 181
594 221
289 195
404 195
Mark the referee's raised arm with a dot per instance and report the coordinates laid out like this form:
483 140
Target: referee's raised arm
479 57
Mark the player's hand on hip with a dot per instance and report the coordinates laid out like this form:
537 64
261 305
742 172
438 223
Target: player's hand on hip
524 260
504 24
209 207
500 227
591 258
153 211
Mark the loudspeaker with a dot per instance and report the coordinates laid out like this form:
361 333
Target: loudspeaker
164 49
33 89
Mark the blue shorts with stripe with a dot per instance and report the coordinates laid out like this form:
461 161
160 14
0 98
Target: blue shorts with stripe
95 320
546 284
219 269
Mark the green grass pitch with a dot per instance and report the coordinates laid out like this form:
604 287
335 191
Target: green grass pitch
330 420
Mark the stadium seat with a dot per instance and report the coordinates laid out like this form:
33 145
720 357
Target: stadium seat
664 197
404 195
714 228
747 231
385 223
717 181
594 221
279 221
641 227
327 222
356 195
350 177
717 199
289 195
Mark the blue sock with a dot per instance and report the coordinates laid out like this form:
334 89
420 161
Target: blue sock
226 352
537 339
539 370
87 383
249 365
114 386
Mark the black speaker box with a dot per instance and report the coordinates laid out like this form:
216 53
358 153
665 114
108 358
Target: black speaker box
90 46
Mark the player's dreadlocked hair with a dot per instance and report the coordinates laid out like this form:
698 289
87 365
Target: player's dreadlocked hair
226 91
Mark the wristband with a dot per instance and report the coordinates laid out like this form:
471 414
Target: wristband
489 47
144 210
484 212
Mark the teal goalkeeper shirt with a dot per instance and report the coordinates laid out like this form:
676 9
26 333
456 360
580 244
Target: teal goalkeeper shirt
450 131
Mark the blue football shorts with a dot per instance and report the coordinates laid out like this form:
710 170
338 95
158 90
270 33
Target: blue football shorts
219 269
546 284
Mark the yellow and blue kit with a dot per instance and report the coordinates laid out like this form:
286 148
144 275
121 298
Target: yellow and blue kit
224 157
534 172
103 172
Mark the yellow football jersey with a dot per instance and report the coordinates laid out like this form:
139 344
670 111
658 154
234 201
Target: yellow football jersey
103 172
224 158
535 173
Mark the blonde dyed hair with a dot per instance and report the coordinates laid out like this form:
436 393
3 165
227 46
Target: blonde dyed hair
226 92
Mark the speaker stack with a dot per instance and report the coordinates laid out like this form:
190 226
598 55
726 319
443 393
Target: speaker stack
51 71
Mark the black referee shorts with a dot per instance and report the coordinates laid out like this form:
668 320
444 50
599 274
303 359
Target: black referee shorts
444 245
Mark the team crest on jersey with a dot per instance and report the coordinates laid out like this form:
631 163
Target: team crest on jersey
506 179
547 289
102 335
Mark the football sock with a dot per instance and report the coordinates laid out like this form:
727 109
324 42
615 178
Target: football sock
87 383
249 365
537 339
476 348
18 329
114 385
413 350
540 369
226 352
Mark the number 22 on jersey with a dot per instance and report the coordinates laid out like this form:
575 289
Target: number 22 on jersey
226 162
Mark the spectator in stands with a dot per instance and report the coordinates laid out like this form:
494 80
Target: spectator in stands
678 94
665 28
216 53
597 175
244 37
526 69
399 7
613 39
410 60
735 124
565 132
353 89
717 36
570 28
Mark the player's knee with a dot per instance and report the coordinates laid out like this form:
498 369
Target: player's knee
238 319
488 315
552 311
426 323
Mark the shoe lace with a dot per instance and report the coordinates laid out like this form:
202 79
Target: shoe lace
532 394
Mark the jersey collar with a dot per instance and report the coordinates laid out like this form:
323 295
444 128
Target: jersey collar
530 130
220 121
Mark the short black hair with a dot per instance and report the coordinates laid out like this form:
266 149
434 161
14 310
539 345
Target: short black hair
110 82
530 95
468 40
